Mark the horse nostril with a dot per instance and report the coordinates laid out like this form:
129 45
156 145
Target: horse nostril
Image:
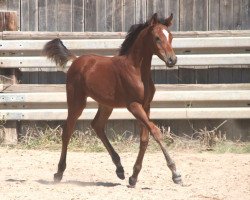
170 61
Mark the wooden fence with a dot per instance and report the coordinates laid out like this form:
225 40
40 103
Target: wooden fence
58 16
118 15
22 50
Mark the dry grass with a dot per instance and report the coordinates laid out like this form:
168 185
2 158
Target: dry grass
2 132
202 140
50 138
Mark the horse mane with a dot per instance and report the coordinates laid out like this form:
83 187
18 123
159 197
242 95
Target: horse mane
131 36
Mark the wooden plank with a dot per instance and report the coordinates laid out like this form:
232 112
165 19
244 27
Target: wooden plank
2 21
24 15
129 14
222 59
8 21
225 75
187 75
245 14
237 15
213 44
245 75
11 135
109 15
160 8
226 14
160 96
160 76
213 75
33 76
8 88
150 8
33 26
23 35
201 75
14 5
101 15
26 88
236 60
42 16
52 15
237 75
206 59
33 15
11 21
214 14
64 16
94 44
140 11
42 26
200 17
90 15
156 6
173 7
123 114
3 5
186 15
77 15
220 33
172 76
118 22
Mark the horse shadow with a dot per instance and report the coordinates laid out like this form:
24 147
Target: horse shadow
80 183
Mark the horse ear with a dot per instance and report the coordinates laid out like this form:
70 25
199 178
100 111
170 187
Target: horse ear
168 21
154 19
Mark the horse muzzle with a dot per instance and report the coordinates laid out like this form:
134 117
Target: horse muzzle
170 62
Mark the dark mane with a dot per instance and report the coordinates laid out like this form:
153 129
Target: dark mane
132 34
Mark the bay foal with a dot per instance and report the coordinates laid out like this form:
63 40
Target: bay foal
119 81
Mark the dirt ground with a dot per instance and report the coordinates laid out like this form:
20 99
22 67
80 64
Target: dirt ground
28 174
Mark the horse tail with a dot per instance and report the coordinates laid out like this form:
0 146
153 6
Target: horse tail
58 53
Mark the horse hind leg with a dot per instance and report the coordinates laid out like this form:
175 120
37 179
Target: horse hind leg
98 125
76 103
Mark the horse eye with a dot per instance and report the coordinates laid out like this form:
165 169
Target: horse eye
157 39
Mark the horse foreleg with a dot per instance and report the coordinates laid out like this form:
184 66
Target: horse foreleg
144 138
98 125
137 110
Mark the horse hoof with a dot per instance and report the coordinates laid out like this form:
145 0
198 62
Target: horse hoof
132 181
120 173
58 177
177 178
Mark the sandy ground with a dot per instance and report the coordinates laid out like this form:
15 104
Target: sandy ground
28 174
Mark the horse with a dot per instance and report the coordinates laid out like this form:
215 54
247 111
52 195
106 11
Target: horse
123 80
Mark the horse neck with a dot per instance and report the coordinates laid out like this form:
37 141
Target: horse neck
141 56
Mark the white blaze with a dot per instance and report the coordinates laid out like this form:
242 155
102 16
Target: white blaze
165 32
